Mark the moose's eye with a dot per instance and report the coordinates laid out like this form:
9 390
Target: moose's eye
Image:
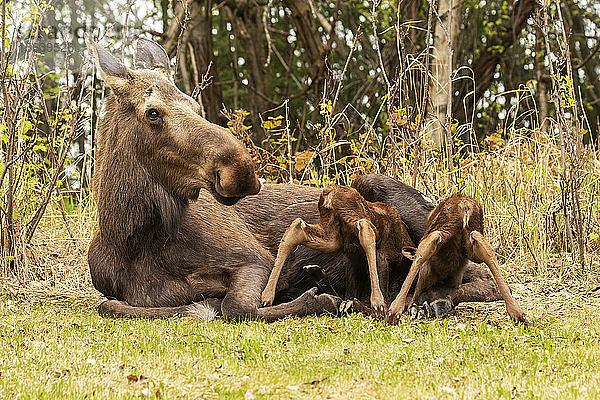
153 115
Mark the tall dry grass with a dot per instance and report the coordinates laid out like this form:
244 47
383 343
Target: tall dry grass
517 180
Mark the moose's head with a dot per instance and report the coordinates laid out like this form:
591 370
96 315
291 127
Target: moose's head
162 128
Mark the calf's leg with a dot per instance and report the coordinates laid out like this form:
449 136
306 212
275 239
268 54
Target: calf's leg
299 232
425 280
366 236
479 250
428 246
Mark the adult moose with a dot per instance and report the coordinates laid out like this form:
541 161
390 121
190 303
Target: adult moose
168 235
164 182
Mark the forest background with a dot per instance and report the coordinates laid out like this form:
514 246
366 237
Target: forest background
499 99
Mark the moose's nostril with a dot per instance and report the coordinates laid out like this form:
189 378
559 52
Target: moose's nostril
218 179
236 181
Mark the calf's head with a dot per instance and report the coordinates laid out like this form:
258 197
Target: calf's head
162 128
336 199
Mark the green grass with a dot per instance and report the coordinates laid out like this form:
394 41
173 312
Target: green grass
68 351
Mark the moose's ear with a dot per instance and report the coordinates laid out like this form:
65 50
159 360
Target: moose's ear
409 252
151 55
115 74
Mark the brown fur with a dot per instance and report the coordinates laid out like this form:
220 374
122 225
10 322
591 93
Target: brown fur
165 239
454 236
350 224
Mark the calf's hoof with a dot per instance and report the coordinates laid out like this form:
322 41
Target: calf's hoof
519 317
315 271
379 307
421 312
346 307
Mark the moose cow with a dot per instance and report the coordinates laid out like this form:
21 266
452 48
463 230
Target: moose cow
176 236
164 180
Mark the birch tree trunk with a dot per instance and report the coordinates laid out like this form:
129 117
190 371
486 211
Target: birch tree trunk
440 70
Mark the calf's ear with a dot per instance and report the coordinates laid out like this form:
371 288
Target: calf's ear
112 71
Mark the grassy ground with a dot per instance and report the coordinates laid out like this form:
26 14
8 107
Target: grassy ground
63 349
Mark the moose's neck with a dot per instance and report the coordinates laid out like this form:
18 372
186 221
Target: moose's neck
134 210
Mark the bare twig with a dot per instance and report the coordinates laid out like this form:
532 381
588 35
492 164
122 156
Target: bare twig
425 99
449 138
373 24
265 20
125 24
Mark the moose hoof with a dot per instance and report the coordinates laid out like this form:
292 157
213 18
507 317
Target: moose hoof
315 271
423 311
267 300
346 307
441 307
414 311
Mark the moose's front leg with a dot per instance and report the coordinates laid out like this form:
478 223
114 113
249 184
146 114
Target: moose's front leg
243 298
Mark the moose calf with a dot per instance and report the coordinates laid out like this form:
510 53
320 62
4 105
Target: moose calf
348 222
454 235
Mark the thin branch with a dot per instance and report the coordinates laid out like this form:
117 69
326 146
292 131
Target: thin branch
373 18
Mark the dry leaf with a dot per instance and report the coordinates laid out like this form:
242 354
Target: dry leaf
302 159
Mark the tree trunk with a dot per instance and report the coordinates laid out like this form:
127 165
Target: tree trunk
314 48
541 90
203 62
584 60
245 17
441 70
190 37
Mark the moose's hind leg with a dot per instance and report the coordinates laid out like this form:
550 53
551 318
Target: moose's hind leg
479 250
204 310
